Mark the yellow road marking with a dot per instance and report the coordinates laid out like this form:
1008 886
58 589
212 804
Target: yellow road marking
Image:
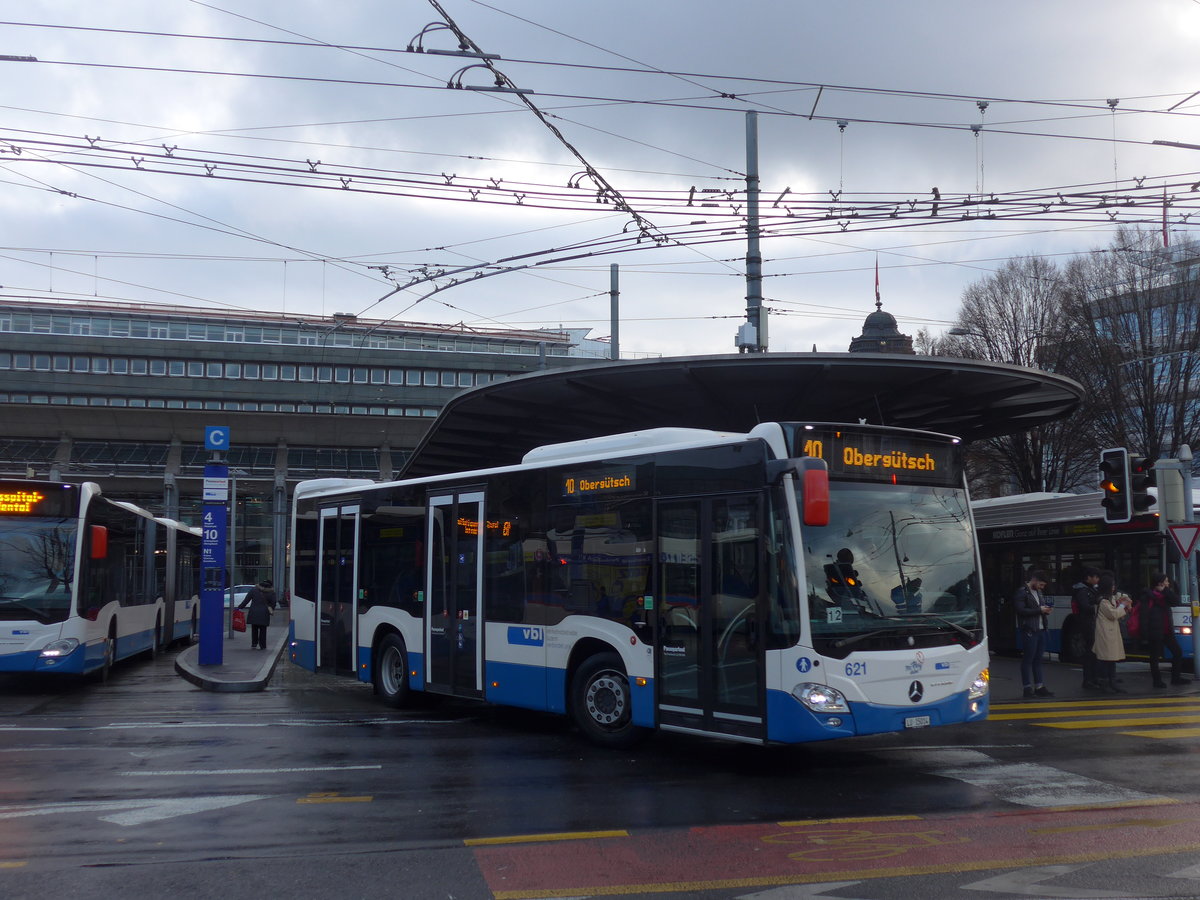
1084 713
1166 733
538 838
13 864
333 798
800 822
1098 704
1111 723
1128 823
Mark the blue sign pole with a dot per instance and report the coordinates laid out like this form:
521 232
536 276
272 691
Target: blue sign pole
212 549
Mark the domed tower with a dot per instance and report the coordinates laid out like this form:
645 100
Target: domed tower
880 334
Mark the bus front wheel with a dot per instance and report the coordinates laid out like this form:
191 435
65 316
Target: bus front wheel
391 671
601 702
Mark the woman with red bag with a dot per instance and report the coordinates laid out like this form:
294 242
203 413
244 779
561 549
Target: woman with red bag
261 601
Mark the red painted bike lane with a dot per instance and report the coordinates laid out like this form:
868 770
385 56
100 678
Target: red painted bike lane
831 850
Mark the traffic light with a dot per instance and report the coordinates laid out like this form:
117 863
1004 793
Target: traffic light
1114 482
1141 477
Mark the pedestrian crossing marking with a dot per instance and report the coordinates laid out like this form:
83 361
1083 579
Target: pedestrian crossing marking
1032 706
1121 722
1163 733
1080 712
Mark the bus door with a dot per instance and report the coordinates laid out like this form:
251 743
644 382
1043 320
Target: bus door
454 533
337 590
710 614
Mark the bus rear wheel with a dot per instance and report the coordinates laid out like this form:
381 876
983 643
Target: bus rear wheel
601 702
391 672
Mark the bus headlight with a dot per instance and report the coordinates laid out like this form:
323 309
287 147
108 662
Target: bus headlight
59 648
820 698
979 687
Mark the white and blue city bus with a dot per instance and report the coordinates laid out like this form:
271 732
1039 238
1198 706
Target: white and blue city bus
86 581
800 582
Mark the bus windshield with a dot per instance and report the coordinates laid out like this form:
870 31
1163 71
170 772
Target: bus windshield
36 565
892 569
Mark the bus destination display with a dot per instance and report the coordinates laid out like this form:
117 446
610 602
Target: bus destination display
23 498
607 481
890 457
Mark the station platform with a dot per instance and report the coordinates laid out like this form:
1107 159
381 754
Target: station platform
1065 680
242 669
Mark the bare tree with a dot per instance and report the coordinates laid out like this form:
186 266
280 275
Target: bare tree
1139 304
1016 316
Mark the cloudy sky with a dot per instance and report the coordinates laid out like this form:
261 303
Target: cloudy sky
295 157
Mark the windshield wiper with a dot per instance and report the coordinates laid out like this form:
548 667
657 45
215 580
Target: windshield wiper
862 635
943 620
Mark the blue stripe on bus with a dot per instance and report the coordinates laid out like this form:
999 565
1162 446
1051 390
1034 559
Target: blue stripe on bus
790 721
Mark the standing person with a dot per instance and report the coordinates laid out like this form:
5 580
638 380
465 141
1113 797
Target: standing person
907 596
1084 598
261 601
1111 607
1158 627
1032 610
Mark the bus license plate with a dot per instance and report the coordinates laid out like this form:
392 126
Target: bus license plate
916 722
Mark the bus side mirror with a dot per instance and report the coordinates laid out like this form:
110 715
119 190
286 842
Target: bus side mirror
99 542
812 477
814 488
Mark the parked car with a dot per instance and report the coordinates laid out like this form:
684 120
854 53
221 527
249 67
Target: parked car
236 594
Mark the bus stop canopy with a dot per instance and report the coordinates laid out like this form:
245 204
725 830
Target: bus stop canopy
496 424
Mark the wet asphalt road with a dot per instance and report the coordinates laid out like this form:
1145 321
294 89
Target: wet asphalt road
148 785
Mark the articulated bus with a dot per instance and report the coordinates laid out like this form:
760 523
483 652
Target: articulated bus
801 582
86 581
1062 534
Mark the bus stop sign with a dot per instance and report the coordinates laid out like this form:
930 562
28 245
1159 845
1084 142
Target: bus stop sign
1184 537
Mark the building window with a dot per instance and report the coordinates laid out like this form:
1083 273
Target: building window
214 369
304 407
395 376
62 363
100 365
379 376
287 372
117 401
270 372
22 361
153 404
231 404
120 366
308 373
360 375
267 407
176 368
158 367
413 377
250 370
5 360
193 404
430 378
80 364
41 362
174 404
137 366
465 379
325 373
195 369
233 370
250 406
341 374
287 407
98 401
448 379
211 404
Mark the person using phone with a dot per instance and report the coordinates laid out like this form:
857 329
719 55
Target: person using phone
1032 610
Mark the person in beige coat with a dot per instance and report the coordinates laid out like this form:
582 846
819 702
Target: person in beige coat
1109 647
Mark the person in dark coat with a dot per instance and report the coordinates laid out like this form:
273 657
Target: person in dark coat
1084 600
1158 627
261 601
1032 611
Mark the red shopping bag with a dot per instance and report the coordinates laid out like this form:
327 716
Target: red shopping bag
239 620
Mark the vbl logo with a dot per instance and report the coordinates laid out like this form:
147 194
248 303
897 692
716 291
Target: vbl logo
529 635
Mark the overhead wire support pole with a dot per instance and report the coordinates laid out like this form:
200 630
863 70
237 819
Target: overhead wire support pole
755 315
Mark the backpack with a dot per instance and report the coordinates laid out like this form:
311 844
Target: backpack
1134 622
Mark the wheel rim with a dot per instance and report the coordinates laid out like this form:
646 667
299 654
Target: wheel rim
606 699
391 670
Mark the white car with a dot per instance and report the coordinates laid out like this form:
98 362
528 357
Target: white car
237 594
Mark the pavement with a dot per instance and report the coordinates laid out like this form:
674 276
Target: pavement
242 669
1065 680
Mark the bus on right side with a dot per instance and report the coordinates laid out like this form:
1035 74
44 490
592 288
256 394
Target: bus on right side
1062 534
